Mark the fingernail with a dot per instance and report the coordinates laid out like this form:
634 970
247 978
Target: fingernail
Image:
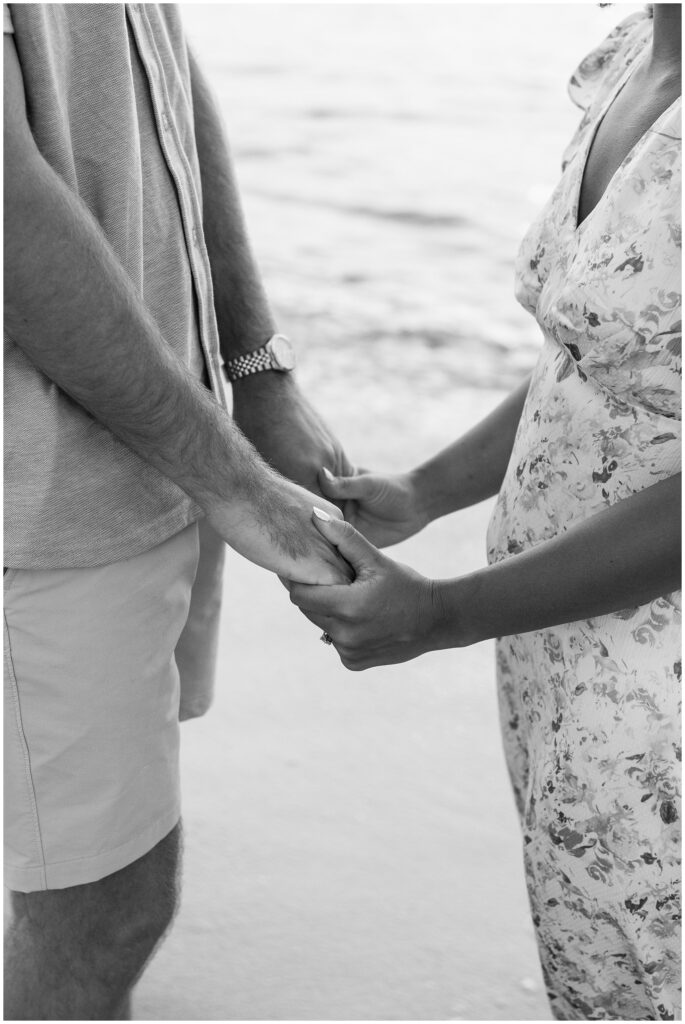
327 473
320 514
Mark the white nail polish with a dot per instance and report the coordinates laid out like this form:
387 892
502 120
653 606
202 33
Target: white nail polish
327 473
320 514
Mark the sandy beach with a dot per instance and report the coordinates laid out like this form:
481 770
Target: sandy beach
352 850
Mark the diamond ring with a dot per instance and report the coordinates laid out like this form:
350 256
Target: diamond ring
326 639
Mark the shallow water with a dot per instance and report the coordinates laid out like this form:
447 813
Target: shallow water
390 157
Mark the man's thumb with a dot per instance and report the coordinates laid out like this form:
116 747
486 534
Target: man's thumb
354 548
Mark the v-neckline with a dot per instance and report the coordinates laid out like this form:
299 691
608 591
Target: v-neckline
585 153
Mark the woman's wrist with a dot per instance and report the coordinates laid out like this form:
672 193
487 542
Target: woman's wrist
456 620
431 500
450 482
472 468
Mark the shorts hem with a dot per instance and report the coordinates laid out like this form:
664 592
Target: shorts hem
84 870
193 709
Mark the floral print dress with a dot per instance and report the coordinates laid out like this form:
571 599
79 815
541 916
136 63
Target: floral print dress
590 710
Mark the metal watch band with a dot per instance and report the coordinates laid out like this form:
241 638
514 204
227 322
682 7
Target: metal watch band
252 362
277 354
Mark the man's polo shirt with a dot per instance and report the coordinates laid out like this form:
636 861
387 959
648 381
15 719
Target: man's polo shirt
109 102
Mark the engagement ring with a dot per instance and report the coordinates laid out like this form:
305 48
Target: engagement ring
325 638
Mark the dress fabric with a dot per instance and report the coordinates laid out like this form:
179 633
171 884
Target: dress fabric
590 710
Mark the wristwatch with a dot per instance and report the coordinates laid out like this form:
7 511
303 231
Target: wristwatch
277 354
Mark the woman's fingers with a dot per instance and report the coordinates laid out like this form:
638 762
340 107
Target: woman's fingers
352 545
346 488
354 653
329 601
323 622
337 632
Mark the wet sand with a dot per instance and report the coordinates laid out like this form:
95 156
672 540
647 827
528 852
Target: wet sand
352 850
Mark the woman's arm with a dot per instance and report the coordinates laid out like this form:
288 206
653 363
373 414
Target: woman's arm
388 508
622 557
473 467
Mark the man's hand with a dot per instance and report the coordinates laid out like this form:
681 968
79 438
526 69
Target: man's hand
285 428
74 312
268 520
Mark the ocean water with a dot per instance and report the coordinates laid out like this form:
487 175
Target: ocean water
390 157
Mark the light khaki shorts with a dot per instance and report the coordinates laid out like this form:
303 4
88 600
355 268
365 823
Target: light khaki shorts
100 665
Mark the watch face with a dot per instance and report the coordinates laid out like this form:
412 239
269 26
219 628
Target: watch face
282 352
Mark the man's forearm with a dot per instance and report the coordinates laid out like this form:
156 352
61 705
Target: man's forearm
621 557
74 312
244 319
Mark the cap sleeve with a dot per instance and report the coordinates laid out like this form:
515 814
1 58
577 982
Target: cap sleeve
599 70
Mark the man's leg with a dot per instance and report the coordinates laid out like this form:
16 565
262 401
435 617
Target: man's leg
75 953
92 795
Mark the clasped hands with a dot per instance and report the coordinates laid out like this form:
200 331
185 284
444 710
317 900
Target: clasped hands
385 614
388 613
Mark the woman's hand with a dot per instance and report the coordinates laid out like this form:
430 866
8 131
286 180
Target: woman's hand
390 508
383 617
386 509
